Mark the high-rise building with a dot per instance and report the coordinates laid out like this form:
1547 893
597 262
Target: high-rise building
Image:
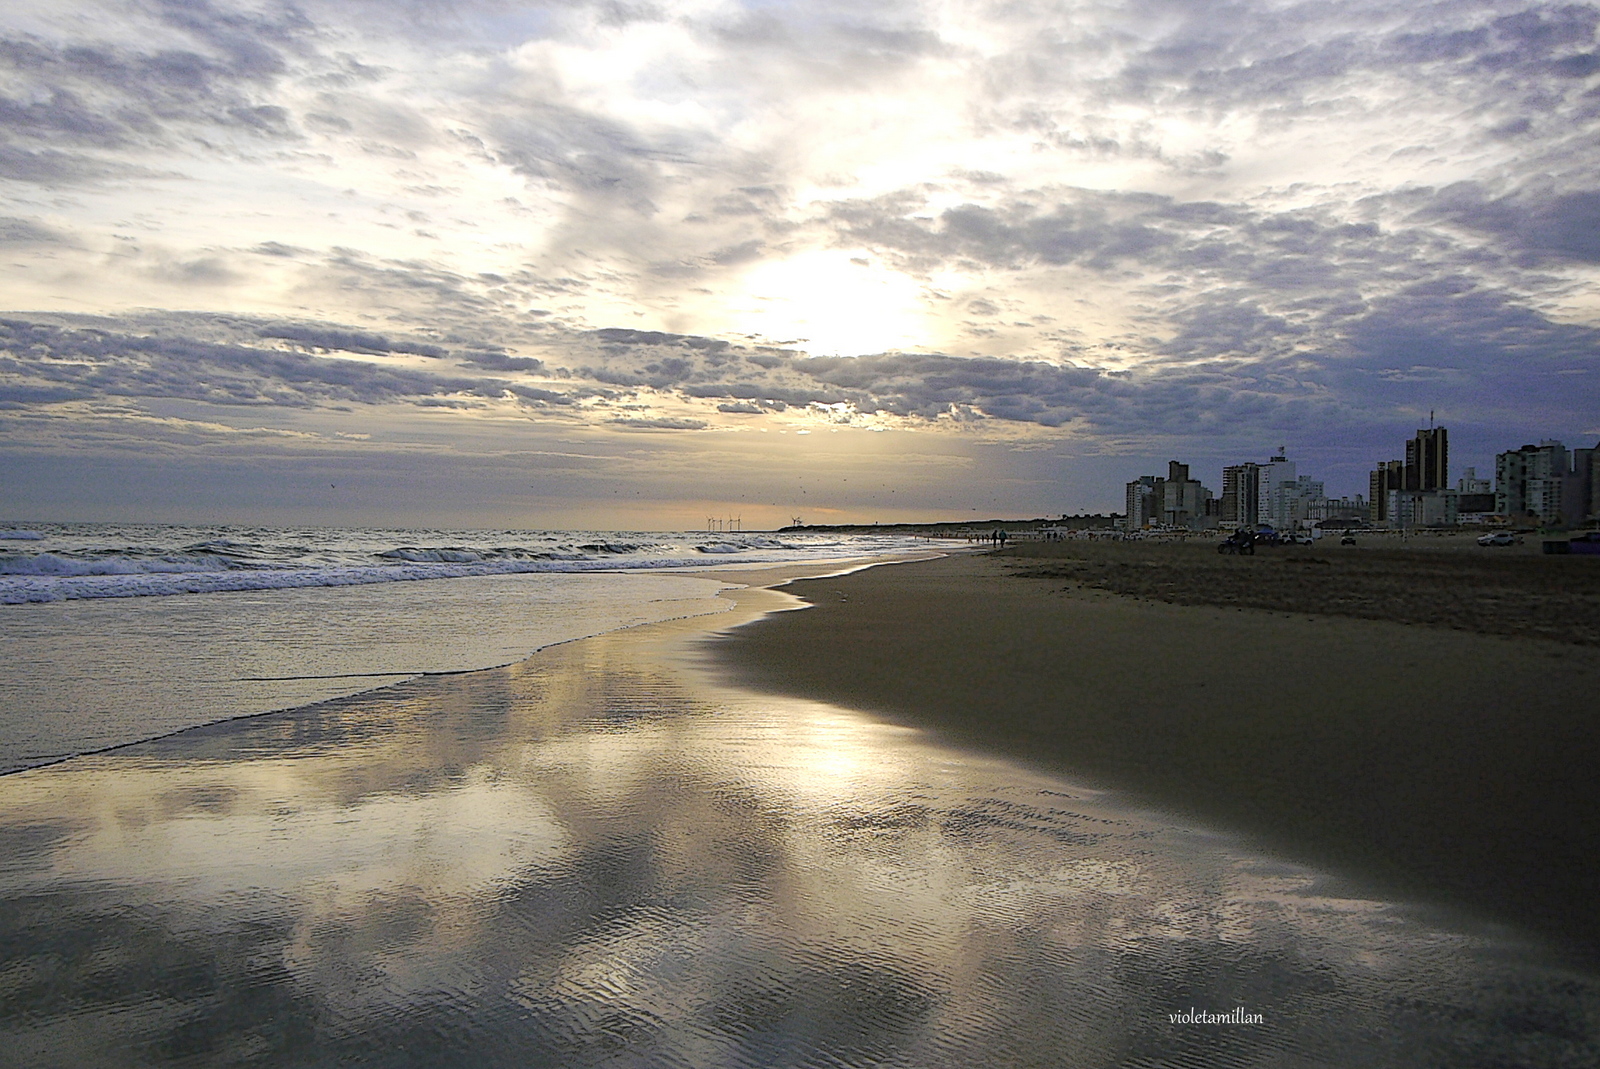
1146 495
1275 473
1175 501
1184 499
1594 483
1241 494
1428 460
1577 490
1389 475
1295 501
1531 481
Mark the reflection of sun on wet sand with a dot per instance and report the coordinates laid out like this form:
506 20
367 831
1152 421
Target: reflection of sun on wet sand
603 855
1457 766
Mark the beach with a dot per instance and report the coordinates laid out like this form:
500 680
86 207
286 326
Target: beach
618 852
1422 760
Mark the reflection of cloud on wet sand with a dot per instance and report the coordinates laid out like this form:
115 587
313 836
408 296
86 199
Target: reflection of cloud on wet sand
587 858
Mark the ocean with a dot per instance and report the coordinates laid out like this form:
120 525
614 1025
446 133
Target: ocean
114 633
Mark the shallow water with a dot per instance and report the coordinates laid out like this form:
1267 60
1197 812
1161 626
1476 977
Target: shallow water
599 857
77 676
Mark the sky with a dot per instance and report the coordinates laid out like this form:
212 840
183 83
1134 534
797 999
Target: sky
632 265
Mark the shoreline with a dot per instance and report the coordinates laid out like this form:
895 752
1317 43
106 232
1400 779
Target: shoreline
1457 769
604 850
287 685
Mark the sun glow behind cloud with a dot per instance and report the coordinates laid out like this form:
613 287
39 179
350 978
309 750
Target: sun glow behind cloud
830 303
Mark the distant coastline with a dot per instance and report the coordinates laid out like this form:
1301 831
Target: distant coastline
1087 522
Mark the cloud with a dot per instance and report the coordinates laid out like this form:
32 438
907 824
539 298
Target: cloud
110 93
93 362
636 423
1146 221
349 341
53 168
503 362
15 231
1541 224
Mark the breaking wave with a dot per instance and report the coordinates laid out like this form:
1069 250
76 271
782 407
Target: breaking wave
106 561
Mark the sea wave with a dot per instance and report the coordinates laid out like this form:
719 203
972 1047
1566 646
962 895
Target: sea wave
448 555
18 589
23 536
127 561
49 564
744 545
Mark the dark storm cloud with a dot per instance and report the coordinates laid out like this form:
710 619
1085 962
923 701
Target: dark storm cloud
633 423
1250 54
926 387
1330 363
1540 224
502 361
349 341
598 157
51 168
1282 252
14 231
1475 346
70 108
89 363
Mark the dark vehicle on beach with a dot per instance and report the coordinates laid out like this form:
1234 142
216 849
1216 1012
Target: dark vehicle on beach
1239 542
1348 539
1587 543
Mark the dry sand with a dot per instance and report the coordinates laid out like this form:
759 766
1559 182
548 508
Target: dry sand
1441 582
1444 765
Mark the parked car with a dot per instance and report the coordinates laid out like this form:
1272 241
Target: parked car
1498 538
1347 539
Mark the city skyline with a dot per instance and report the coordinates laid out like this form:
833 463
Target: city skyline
630 265
1546 482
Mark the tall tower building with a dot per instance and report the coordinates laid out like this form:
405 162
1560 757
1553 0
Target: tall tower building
1428 460
1389 475
1275 473
1241 494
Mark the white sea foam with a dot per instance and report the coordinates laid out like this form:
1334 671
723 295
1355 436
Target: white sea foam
132 579
133 560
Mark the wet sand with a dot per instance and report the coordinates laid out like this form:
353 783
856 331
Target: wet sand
605 856
1428 763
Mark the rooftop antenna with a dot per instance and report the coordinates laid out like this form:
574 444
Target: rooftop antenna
1430 419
